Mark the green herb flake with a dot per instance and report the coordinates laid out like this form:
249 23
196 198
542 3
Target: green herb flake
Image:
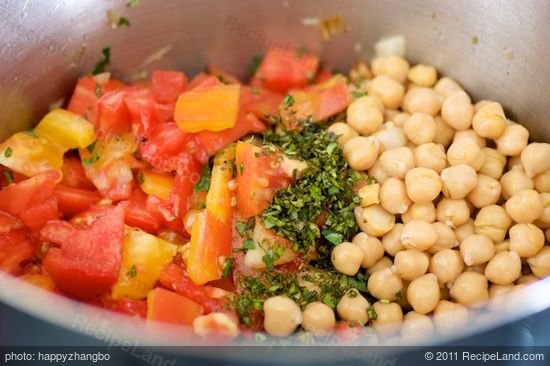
104 62
91 147
332 236
123 21
255 64
241 168
288 100
8 152
227 268
8 176
132 3
372 313
141 178
91 160
30 133
132 272
384 301
98 91
255 90
358 94
249 244
204 181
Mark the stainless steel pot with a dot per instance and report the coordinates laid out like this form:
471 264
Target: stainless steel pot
497 49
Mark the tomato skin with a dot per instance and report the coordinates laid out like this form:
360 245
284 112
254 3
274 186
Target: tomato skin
15 247
137 215
141 106
224 76
74 175
84 99
168 85
170 307
259 101
113 117
71 201
284 69
198 80
127 306
88 260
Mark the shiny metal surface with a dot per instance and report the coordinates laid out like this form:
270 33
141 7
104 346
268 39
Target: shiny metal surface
497 49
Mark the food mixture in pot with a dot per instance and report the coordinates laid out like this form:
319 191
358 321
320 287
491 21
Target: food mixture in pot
304 203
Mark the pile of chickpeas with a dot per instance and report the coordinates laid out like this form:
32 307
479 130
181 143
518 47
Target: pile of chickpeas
460 212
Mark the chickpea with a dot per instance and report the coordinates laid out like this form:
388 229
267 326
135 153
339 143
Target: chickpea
472 135
393 196
416 325
369 194
446 86
544 219
494 163
477 249
343 132
361 152
465 151
524 206
446 265
446 238
392 240
514 181
372 249
535 158
389 91
388 318
457 111
423 75
514 161
547 234
502 246
431 156
377 171
480 104
470 289
444 133
465 230
420 128
513 140
423 185
384 284
493 222
282 316
450 317
526 239
497 296
374 220
381 264
400 118
542 182
318 318
423 100
489 121
526 279
504 268
418 234
423 293
411 264
347 258
390 137
486 192
540 263
390 113
353 307
363 116
397 162
478 268
458 181
395 67
452 212
419 211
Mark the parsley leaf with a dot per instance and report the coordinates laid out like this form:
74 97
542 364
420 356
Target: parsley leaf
8 152
288 100
249 244
30 133
104 62
204 182
123 21
358 94
8 176
227 268
132 272
132 3
91 160
256 61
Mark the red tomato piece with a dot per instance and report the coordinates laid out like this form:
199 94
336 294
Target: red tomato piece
137 215
170 307
141 105
15 248
260 101
86 95
71 201
74 175
165 112
284 69
222 75
323 75
168 85
127 306
32 200
198 80
88 260
258 178
113 117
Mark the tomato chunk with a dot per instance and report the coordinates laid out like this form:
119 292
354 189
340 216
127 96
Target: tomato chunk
113 116
86 95
170 307
144 115
71 201
137 215
15 248
168 85
74 175
88 260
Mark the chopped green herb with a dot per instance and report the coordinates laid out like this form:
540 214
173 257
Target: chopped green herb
104 62
384 301
91 160
8 176
141 178
132 272
372 313
132 3
249 244
123 21
257 154
330 301
98 91
91 147
30 133
288 100
241 168
244 227
227 268
372 180
8 152
260 337
334 237
255 90
358 94
256 61
204 182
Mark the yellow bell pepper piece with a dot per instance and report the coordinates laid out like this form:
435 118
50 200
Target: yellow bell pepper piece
66 129
156 184
143 258
27 154
218 199
212 108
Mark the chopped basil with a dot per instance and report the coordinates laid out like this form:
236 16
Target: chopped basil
332 236
249 244
227 268
8 152
358 94
372 313
91 160
123 21
204 181
104 62
91 147
30 133
288 100
132 272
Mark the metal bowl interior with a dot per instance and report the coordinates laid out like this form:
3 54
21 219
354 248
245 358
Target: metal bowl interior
496 50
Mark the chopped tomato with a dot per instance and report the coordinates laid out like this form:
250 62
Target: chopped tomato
113 116
222 75
15 248
168 85
260 101
143 111
198 80
71 201
127 306
194 110
88 259
284 69
32 200
323 75
73 174
137 215
258 177
170 307
7 177
40 280
165 112
86 95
